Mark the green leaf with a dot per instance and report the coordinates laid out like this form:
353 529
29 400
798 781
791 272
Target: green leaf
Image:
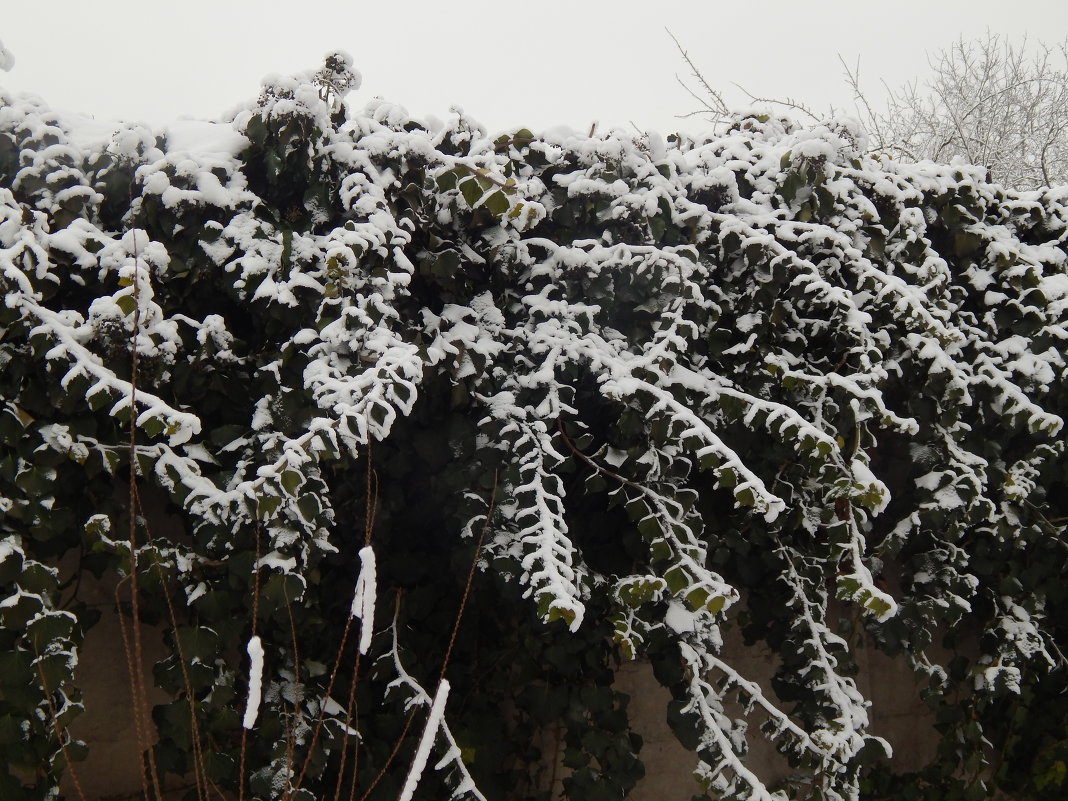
635 592
446 181
966 243
561 613
152 427
877 605
726 477
15 615
11 426
496 203
48 628
55 670
471 191
649 527
11 561
1052 776
291 481
197 643
309 507
790 186
256 129
278 591
745 497
267 505
677 580
127 303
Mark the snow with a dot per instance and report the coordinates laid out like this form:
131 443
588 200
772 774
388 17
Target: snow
255 679
333 708
131 142
363 599
9 547
7 60
204 138
680 619
275 560
426 742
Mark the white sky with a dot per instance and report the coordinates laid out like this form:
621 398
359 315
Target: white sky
508 63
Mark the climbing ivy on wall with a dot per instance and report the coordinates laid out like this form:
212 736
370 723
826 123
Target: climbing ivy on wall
444 428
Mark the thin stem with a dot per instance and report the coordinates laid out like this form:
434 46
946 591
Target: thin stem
297 695
346 630
136 662
59 730
720 106
459 615
349 707
391 757
199 773
602 470
371 510
470 580
255 614
404 732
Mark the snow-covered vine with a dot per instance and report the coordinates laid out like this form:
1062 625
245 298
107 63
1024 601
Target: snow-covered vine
754 380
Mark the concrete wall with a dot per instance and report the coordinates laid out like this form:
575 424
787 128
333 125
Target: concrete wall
896 714
112 772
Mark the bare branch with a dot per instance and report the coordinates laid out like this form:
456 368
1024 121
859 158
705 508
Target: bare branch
787 102
720 106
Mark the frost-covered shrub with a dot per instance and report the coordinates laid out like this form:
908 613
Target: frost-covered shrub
645 389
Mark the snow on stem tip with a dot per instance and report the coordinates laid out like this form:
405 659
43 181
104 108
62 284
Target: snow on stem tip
422 753
363 599
255 680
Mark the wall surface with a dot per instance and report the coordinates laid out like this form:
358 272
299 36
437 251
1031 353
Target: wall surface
111 772
896 714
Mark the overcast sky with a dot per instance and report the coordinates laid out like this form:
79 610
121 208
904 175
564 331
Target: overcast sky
508 63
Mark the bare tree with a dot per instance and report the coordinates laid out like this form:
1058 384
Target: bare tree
990 101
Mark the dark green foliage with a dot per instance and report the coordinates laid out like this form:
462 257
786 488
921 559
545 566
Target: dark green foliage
651 389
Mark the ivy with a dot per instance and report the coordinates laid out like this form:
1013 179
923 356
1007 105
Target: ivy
579 400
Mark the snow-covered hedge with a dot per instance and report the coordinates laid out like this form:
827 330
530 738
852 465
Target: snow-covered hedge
649 388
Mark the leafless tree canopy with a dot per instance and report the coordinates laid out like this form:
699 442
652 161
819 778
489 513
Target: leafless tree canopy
994 103
990 101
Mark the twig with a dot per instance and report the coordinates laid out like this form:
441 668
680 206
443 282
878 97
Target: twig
345 631
404 731
135 662
255 614
787 102
391 757
442 684
297 695
602 470
199 774
721 107
370 512
470 579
